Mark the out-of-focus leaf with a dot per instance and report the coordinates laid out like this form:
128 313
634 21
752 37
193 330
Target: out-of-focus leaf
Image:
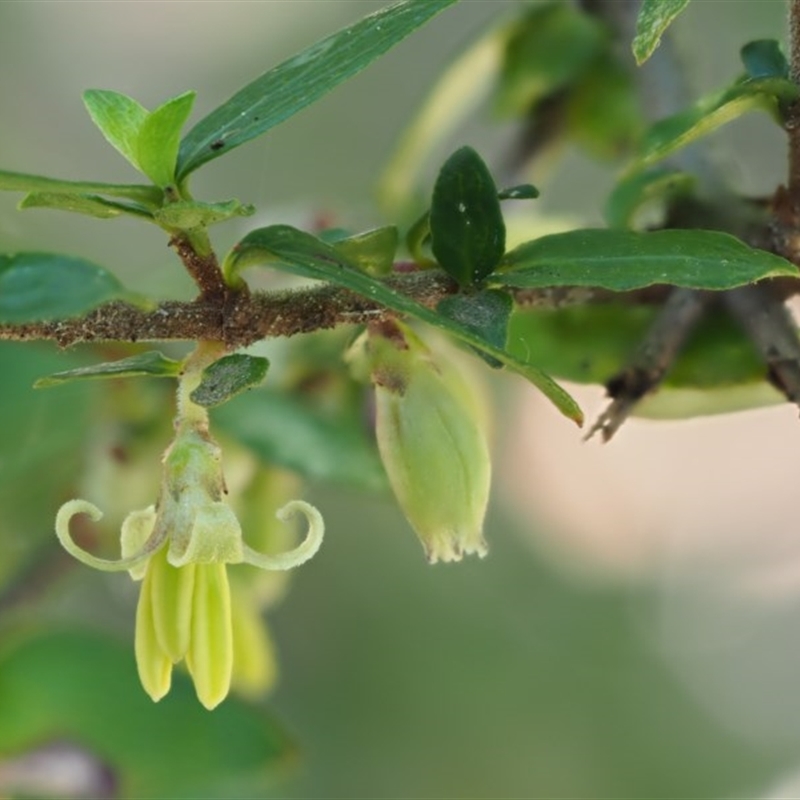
373 250
145 365
299 81
46 286
602 111
655 16
523 191
284 430
624 260
291 250
82 687
190 214
634 191
710 113
550 47
764 58
148 196
231 375
159 138
468 235
90 205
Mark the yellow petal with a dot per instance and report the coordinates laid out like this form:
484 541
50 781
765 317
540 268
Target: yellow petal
210 654
172 593
255 667
153 664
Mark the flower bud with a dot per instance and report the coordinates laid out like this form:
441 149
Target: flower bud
431 436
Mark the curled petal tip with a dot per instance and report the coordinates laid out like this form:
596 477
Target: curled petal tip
300 554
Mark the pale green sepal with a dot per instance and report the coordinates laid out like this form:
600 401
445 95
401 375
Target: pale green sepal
216 537
136 530
153 665
300 554
73 507
171 590
210 654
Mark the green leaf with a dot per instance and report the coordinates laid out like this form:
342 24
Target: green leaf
551 46
523 191
148 196
301 253
373 251
151 364
590 344
468 235
655 16
626 260
119 118
90 205
46 286
485 313
229 376
640 188
764 58
301 80
78 687
159 138
710 113
285 430
190 214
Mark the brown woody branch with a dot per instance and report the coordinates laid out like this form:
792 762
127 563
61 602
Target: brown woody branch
239 319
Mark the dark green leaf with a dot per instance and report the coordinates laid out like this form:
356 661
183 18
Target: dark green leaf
190 214
626 260
284 430
764 58
90 205
150 364
485 313
672 133
159 138
635 191
655 17
548 49
524 191
373 250
301 253
468 235
229 376
46 286
299 81
119 119
148 196
82 688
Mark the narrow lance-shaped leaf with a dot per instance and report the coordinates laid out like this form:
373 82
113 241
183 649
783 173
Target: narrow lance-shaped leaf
294 251
150 365
159 138
45 286
87 204
635 191
655 16
119 119
625 260
672 133
299 81
468 235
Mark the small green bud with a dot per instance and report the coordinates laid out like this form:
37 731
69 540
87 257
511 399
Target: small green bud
431 436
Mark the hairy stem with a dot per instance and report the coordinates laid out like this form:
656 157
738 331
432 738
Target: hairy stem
792 121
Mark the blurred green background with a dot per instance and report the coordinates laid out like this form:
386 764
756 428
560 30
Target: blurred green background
557 667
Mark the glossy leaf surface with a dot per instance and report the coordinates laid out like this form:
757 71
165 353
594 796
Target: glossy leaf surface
229 376
151 364
625 260
46 286
468 235
655 16
299 81
291 250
